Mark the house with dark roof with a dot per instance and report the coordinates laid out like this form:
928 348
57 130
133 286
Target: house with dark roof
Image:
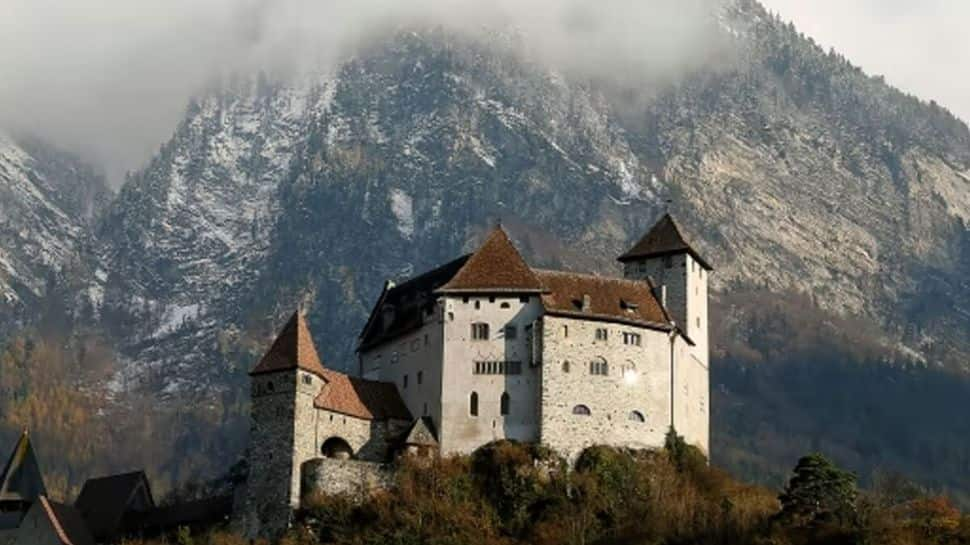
21 486
482 348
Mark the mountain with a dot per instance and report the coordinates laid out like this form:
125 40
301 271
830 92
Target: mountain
833 207
49 202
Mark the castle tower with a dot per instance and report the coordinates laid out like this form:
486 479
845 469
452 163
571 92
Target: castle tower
284 385
679 275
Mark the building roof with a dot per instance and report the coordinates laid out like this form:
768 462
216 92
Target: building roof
21 480
361 398
104 501
495 267
408 302
67 523
421 433
292 349
664 238
613 299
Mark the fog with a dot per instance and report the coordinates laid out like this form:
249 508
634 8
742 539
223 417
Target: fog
109 79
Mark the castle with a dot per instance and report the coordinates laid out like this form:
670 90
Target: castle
485 348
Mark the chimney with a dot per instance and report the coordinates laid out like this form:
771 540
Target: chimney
587 302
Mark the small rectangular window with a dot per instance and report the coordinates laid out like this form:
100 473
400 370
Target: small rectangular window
601 334
524 299
404 381
565 331
420 377
479 331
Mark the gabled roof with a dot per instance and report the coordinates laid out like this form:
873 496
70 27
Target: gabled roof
67 523
292 349
408 301
613 299
104 501
495 267
21 480
421 433
664 238
361 398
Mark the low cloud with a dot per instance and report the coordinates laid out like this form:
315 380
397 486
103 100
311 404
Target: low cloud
110 79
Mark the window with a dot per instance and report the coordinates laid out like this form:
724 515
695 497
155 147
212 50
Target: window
511 332
599 367
307 379
505 304
631 338
637 416
698 321
601 334
565 331
498 367
464 299
581 410
269 386
491 299
420 377
524 299
405 381
451 316
473 404
504 403
565 366
668 262
478 305
479 331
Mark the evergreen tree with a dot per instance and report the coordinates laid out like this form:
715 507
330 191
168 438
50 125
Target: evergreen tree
818 492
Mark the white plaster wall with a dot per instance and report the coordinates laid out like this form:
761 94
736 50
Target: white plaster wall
417 352
691 397
610 398
459 431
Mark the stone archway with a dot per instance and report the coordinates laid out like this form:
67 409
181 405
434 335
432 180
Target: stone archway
337 447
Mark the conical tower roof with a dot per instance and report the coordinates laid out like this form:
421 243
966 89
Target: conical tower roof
495 267
292 349
21 480
664 238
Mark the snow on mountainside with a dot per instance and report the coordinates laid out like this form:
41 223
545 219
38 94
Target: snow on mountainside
48 201
188 234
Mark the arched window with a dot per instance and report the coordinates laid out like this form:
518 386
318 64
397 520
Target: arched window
336 447
504 403
473 404
581 410
599 367
637 416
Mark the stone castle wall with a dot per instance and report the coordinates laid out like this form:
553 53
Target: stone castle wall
637 379
354 477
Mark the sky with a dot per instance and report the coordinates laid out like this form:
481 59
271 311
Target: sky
110 79
921 47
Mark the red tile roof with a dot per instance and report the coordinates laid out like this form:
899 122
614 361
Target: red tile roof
67 523
495 267
292 349
362 398
664 238
614 299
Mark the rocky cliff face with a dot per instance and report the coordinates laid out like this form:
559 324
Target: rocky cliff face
48 204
